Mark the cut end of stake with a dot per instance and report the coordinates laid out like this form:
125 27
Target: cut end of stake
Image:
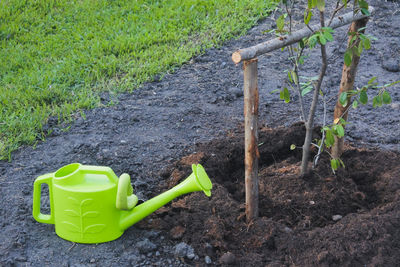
236 57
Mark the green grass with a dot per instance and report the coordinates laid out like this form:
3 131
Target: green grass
56 56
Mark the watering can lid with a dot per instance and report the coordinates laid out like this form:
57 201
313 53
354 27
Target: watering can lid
202 178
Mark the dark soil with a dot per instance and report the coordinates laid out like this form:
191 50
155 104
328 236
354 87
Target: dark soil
195 115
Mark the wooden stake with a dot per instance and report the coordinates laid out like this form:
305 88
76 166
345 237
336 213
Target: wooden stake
268 46
251 137
347 84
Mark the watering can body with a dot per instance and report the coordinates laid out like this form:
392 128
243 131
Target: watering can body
90 204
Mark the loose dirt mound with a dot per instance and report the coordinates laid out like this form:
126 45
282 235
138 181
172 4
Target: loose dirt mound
347 219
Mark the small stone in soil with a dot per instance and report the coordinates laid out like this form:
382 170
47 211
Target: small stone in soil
287 229
395 105
228 258
237 92
183 250
146 246
207 259
391 65
190 255
152 234
337 217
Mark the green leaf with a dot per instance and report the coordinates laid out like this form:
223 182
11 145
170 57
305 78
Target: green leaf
339 130
301 60
312 4
319 141
377 101
307 16
343 99
342 163
365 11
289 74
294 76
364 7
352 92
306 90
362 29
363 97
285 95
322 39
280 22
343 121
292 147
355 51
353 38
363 4
312 41
329 138
391 84
347 58
301 43
328 36
334 164
355 104
371 80
360 48
321 5
374 102
387 99
367 43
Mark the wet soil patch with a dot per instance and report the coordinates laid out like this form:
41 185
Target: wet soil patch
299 216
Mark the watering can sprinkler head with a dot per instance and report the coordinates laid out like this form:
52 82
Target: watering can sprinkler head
89 204
202 179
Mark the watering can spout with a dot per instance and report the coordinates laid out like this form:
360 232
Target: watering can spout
197 181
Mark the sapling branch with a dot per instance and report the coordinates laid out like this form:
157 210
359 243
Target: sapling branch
310 121
295 61
301 100
337 9
316 158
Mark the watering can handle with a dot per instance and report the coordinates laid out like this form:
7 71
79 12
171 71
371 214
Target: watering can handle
107 171
37 191
126 200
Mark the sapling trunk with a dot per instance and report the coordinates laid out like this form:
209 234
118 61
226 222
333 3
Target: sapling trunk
347 84
310 121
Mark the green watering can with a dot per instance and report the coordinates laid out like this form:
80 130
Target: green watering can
89 204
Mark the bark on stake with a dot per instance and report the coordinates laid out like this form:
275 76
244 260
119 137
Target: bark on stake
347 84
251 137
271 45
